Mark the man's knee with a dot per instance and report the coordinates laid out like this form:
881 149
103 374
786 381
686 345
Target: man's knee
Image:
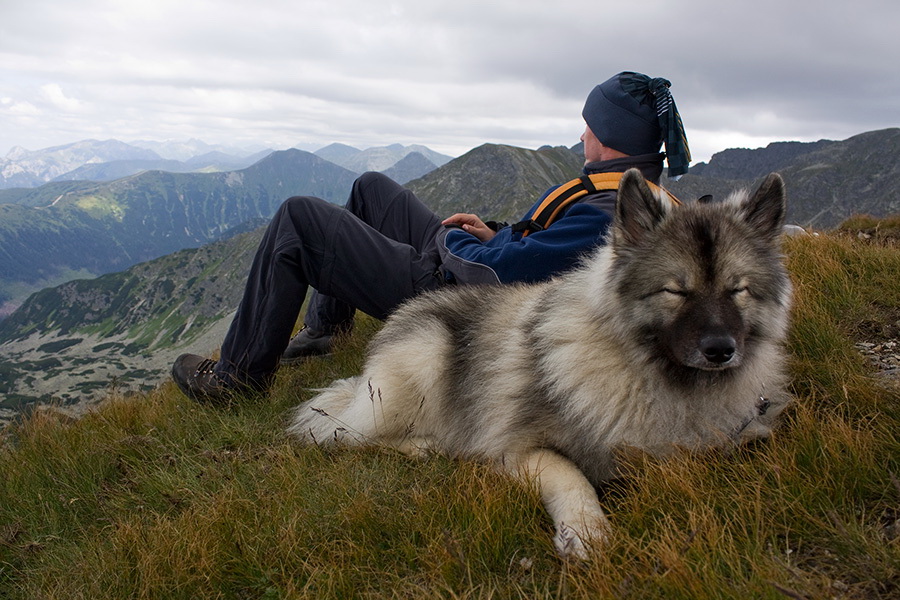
297 203
373 186
373 178
302 206
306 217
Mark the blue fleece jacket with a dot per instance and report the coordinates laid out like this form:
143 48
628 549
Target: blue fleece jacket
510 257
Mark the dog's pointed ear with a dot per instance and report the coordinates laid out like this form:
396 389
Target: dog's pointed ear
765 210
638 210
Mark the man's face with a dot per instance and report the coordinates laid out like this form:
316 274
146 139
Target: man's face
592 146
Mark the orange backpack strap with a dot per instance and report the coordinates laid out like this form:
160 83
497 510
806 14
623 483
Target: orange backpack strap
560 198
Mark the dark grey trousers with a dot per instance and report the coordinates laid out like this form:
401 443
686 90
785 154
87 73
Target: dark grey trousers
371 255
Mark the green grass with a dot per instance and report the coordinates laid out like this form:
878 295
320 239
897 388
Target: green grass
154 496
101 207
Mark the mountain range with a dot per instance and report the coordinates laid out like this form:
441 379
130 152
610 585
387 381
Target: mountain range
106 160
24 168
72 340
93 160
106 214
379 158
827 181
48 232
210 162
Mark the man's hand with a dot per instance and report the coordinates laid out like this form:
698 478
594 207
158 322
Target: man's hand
471 224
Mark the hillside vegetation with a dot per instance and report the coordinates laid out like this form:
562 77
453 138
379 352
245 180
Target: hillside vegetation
495 181
66 344
153 496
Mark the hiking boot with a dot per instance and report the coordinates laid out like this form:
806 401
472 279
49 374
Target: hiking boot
197 379
308 342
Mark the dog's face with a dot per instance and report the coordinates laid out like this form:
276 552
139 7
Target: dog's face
705 282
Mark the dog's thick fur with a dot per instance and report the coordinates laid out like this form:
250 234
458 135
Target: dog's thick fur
668 337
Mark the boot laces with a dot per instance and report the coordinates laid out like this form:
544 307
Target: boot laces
206 367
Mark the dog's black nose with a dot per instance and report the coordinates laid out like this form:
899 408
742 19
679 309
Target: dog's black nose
718 349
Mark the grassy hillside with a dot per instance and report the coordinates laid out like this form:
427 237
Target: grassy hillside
67 343
154 496
496 182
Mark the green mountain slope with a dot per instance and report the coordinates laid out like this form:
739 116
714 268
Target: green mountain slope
108 227
70 342
826 181
496 182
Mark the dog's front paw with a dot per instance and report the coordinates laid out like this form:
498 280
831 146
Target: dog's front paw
572 543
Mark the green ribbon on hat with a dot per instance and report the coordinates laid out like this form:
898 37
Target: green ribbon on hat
656 92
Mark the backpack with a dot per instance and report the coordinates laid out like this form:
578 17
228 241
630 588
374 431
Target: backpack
560 198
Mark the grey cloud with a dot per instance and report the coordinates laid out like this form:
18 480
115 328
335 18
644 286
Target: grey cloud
453 73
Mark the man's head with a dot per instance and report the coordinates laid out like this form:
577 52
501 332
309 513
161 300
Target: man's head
622 121
634 114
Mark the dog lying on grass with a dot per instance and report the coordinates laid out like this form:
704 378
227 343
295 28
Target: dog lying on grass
668 337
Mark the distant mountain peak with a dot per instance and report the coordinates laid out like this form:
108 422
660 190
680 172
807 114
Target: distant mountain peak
412 166
378 158
17 152
336 146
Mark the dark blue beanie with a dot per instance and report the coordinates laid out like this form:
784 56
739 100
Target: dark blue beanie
635 114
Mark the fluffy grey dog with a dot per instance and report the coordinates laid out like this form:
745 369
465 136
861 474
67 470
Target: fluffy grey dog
668 337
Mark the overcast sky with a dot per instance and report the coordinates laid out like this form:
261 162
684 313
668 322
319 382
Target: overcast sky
448 74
